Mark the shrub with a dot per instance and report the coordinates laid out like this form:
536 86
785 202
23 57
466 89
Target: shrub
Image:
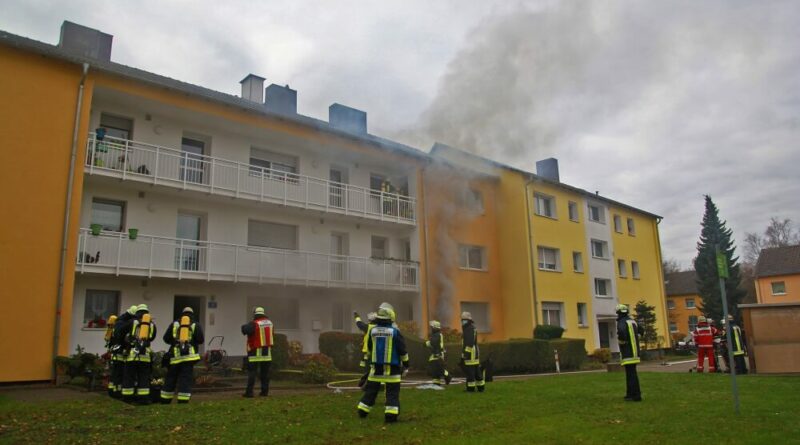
343 348
318 368
451 335
547 332
295 349
280 353
408 327
602 355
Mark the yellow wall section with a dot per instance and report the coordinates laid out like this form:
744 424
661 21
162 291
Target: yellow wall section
564 286
36 126
764 289
643 248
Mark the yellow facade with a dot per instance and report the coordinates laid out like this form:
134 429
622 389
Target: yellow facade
36 127
682 307
767 295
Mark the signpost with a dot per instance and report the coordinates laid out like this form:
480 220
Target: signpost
722 271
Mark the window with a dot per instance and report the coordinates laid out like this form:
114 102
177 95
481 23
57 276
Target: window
582 318
549 259
602 287
338 316
380 247
109 214
599 249
631 227
480 315
778 288
573 211
472 257
623 273
673 327
670 304
117 127
100 304
617 224
284 312
545 205
692 322
690 303
274 235
473 200
280 166
596 214
577 262
635 269
551 313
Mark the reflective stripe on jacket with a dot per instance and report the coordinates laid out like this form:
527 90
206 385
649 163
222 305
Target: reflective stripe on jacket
470 351
183 352
628 336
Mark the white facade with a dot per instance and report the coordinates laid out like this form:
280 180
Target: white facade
329 271
603 307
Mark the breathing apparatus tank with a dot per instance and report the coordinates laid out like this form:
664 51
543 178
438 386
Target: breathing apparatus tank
184 329
144 328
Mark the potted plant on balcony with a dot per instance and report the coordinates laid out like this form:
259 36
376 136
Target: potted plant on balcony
96 229
132 234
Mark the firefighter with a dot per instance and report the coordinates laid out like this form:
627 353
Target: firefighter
436 363
259 351
470 354
628 332
109 355
184 337
140 332
703 336
739 346
119 351
388 363
365 328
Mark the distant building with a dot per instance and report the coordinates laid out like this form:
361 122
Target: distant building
683 302
778 275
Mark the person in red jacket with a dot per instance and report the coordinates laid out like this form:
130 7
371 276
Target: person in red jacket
259 351
703 336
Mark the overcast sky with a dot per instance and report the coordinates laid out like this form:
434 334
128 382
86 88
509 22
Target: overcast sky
651 103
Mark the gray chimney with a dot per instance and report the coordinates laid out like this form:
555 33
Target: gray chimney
347 119
280 99
86 42
252 88
548 169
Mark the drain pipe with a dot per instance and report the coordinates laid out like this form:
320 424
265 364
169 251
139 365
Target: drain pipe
68 204
427 256
531 257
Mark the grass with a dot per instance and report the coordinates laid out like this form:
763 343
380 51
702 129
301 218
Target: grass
571 409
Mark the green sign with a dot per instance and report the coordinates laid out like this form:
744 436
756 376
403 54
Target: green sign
722 265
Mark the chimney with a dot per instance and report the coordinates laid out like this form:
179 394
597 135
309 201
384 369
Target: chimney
548 169
347 119
86 42
252 87
280 99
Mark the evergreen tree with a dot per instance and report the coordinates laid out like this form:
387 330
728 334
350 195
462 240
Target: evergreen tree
646 317
714 233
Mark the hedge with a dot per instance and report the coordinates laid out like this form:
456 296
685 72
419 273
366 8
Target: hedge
508 357
280 352
547 332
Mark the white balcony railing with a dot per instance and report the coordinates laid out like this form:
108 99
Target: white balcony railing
138 161
155 256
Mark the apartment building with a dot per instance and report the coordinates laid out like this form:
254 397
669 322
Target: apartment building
778 275
683 302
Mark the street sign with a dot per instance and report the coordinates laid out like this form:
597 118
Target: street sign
722 265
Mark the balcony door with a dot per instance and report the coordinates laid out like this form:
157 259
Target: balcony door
336 190
192 164
339 251
188 253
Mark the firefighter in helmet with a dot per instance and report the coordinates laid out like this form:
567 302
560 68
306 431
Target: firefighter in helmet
436 363
119 351
259 351
388 362
365 328
739 346
141 331
184 337
470 354
628 333
703 336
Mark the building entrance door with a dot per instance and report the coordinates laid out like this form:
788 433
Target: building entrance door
196 303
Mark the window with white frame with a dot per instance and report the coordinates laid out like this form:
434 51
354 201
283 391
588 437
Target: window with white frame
690 303
617 223
778 287
472 257
673 327
116 126
599 249
339 316
635 270
596 214
602 287
269 234
623 273
480 315
551 313
277 165
472 199
573 211
670 304
577 262
549 258
99 305
545 205
631 227
583 319
380 247
692 322
109 214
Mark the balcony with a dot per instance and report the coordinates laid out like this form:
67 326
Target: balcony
152 164
154 256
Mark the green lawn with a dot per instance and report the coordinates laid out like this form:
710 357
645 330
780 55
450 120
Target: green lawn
570 409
